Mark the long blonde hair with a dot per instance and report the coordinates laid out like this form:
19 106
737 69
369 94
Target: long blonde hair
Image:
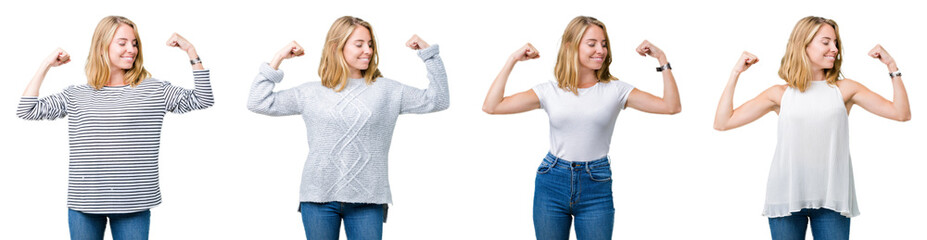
333 69
98 61
566 70
796 67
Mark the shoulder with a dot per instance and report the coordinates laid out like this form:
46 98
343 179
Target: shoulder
848 84
620 85
775 92
153 82
387 82
545 86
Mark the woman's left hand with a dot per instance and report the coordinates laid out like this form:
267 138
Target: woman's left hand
416 43
878 52
646 48
178 41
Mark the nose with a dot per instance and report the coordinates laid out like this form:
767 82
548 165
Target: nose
368 50
133 50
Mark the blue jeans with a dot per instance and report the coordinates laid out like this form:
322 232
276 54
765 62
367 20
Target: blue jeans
826 224
564 190
125 226
361 220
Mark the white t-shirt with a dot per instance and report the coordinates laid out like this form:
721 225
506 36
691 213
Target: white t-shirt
581 126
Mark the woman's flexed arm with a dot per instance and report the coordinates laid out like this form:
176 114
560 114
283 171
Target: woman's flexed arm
495 103
726 117
646 102
898 109
57 58
262 98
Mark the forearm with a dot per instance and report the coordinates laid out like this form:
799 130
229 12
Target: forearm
437 78
191 53
726 104
900 100
671 93
32 89
497 89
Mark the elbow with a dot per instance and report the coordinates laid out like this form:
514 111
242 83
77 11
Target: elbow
721 127
254 107
904 118
443 105
489 110
674 110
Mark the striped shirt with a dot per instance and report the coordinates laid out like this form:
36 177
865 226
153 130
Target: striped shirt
114 135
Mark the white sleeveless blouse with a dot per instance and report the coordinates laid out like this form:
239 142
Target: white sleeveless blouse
811 167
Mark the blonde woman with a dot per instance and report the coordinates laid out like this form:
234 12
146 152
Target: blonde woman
350 116
114 126
574 179
811 177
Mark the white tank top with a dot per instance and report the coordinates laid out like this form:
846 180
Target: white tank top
581 126
811 167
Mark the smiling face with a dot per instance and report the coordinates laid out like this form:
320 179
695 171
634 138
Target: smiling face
123 48
822 50
593 48
358 50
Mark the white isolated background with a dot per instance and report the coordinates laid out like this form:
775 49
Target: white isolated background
227 173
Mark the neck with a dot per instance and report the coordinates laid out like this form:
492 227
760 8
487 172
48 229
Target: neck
355 73
117 78
587 78
817 74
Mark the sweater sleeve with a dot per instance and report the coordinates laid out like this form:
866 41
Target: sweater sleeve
264 100
435 97
180 100
48 108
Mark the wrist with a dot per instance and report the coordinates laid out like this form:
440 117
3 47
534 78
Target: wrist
192 53
892 67
662 60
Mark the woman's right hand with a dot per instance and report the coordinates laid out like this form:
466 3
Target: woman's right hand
57 58
291 50
746 60
525 53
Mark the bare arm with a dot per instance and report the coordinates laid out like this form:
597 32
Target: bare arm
898 109
495 103
726 117
57 58
646 102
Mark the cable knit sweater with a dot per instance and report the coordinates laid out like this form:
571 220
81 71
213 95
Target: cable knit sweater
349 132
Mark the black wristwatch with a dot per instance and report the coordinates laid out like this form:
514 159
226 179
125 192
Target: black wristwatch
664 67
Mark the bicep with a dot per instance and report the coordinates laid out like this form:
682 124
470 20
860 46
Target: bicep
873 102
518 103
645 102
752 110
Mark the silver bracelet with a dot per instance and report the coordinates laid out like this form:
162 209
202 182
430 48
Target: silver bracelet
894 74
195 60
664 67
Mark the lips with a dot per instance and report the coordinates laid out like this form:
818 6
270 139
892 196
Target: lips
597 59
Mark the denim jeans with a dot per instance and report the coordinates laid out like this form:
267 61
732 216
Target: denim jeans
125 226
322 221
565 190
826 224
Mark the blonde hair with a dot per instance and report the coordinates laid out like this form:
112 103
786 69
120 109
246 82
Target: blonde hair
796 67
98 62
566 70
333 69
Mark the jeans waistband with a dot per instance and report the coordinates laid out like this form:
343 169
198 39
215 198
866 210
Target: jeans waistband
555 161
